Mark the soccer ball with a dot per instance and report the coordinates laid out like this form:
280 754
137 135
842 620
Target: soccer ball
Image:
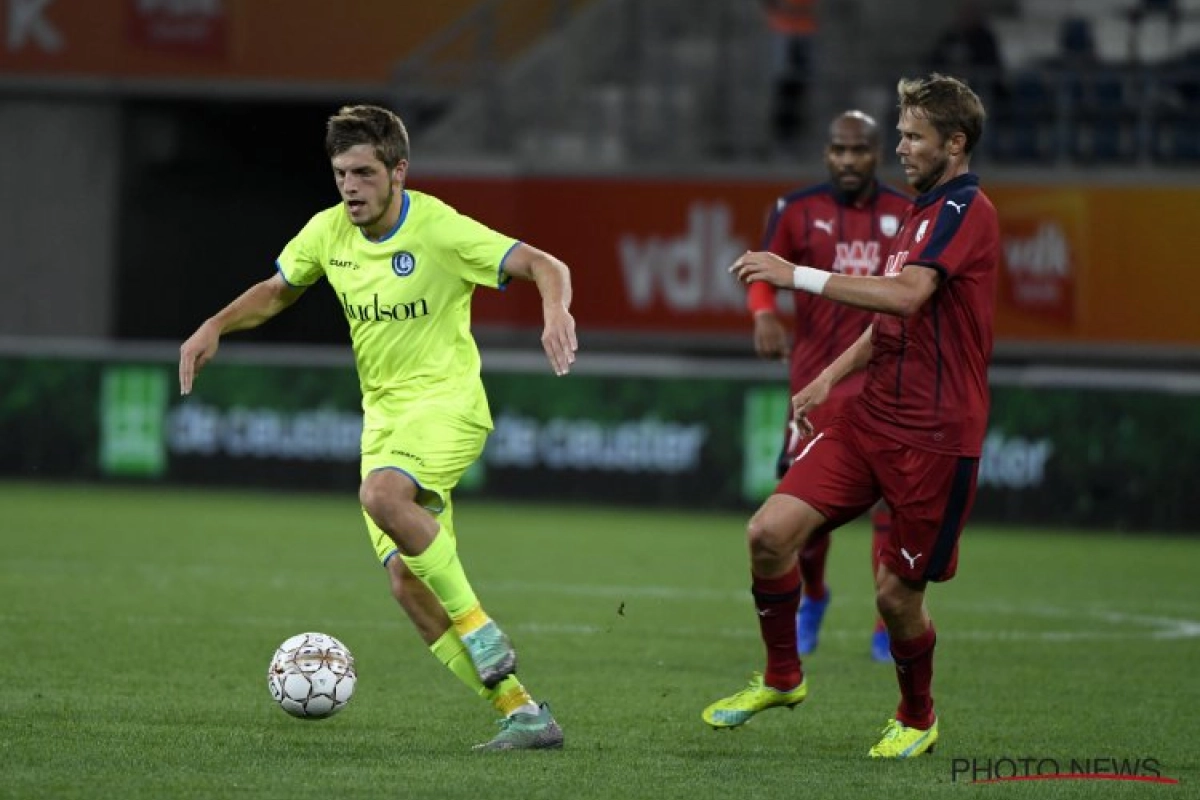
312 676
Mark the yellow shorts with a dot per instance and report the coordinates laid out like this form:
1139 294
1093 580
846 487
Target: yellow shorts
428 445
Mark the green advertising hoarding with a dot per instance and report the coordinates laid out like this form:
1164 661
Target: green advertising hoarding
1110 458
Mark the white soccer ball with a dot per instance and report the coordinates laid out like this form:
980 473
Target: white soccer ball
312 676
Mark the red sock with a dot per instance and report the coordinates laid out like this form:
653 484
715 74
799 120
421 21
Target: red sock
881 529
914 673
812 566
776 600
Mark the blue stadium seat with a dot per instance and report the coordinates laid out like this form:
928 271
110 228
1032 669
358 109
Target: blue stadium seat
1024 125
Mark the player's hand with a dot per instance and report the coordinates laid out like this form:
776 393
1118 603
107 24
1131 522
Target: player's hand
763 266
197 351
807 399
558 339
770 337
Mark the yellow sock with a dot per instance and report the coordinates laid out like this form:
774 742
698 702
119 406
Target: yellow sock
506 697
439 568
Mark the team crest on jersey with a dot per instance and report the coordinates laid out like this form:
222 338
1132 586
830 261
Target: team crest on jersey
857 258
921 230
889 224
403 263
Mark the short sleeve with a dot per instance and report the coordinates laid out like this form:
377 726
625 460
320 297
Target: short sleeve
951 245
778 237
300 263
480 250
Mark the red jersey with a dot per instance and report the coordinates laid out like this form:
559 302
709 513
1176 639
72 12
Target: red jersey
819 227
927 382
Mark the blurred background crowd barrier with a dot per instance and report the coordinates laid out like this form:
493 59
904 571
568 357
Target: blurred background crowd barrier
159 153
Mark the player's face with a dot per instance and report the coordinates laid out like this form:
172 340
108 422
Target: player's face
369 190
923 152
851 158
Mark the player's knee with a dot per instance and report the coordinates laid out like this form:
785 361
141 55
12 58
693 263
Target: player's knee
766 538
899 601
370 497
888 604
384 490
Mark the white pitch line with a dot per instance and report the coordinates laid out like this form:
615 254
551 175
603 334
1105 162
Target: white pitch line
1139 626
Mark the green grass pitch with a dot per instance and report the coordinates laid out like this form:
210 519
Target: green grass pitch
138 622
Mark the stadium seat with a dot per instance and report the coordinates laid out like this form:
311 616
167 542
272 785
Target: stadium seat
1024 128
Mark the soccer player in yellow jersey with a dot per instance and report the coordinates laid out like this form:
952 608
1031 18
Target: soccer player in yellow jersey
403 266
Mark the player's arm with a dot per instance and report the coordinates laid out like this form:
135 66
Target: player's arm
855 358
900 295
770 336
553 281
252 308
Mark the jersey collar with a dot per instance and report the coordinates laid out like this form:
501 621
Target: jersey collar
399 221
938 192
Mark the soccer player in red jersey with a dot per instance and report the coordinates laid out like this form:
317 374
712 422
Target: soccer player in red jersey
846 226
913 436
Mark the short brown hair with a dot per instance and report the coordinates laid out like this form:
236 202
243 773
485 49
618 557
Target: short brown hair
948 103
373 125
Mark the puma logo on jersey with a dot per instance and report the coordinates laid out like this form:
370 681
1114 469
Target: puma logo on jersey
957 206
912 560
825 225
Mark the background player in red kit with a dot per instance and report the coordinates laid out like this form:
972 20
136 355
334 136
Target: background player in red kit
845 226
915 432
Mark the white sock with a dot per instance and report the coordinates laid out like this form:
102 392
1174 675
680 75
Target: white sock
526 708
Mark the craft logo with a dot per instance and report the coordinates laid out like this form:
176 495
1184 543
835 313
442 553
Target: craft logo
1008 769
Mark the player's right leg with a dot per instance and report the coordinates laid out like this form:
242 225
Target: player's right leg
775 534
829 483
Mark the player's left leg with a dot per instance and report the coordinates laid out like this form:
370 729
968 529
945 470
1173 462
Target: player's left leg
399 506
527 724
815 598
410 464
931 495
433 625
814 601
901 603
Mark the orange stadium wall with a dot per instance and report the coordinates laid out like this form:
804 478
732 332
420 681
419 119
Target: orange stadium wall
255 40
1082 264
